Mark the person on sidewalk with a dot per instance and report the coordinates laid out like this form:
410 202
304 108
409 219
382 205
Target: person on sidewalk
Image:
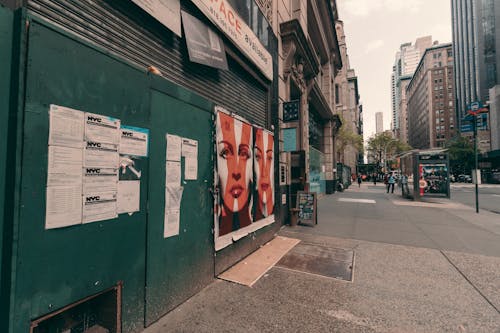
390 183
359 180
375 179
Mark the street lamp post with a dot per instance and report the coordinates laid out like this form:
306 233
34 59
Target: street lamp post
474 127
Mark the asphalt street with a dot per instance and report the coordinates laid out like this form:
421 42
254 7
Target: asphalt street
418 267
443 225
489 196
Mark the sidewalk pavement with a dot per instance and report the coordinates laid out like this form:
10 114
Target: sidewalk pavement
395 289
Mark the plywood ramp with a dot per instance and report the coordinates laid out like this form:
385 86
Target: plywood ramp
252 268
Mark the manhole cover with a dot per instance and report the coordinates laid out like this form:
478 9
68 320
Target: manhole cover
321 260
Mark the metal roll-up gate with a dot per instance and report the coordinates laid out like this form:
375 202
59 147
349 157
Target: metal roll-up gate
123 29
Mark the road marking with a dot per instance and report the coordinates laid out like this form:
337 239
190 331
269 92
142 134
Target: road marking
357 200
496 195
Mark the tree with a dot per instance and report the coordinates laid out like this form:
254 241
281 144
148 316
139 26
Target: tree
345 138
382 147
461 154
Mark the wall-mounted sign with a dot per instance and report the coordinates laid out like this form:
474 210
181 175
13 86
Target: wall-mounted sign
167 12
204 45
291 111
289 139
222 14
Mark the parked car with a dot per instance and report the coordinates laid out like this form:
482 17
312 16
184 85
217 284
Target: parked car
464 179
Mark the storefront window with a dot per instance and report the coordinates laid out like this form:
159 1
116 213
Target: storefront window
253 17
315 131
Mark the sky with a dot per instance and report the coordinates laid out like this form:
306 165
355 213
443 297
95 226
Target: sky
374 31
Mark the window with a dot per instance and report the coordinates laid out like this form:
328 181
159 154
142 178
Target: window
337 94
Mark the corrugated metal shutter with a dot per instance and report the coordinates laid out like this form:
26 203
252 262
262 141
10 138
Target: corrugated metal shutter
123 29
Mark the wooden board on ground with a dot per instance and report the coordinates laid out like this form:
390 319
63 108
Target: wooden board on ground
252 268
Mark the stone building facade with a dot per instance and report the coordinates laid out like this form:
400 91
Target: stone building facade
347 102
431 100
309 61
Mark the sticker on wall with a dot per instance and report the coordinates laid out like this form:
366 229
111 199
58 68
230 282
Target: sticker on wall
134 141
234 140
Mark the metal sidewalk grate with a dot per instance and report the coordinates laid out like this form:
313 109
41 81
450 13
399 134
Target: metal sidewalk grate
320 260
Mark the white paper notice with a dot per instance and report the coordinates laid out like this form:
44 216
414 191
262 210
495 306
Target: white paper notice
190 153
101 155
174 145
134 141
100 180
100 128
99 206
65 166
63 206
129 194
173 197
66 127
172 223
173 173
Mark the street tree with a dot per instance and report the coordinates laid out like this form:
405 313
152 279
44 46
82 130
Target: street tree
346 137
382 147
461 155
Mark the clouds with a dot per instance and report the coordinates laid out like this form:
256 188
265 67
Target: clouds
374 45
362 8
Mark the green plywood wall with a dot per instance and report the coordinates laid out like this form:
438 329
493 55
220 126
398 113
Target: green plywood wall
54 268
6 34
60 266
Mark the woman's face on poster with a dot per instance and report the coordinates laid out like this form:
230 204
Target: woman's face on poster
234 160
264 159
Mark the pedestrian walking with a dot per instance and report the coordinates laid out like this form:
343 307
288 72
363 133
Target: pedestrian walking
375 179
390 183
359 180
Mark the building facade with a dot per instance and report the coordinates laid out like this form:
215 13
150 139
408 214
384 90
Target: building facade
379 122
403 108
308 64
406 61
431 100
347 103
476 39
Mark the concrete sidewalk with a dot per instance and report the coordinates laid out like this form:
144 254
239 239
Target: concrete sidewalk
395 289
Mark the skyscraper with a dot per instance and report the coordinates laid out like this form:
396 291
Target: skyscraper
476 47
405 63
379 122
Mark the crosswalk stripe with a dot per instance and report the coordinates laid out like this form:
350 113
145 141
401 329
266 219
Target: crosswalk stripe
357 200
